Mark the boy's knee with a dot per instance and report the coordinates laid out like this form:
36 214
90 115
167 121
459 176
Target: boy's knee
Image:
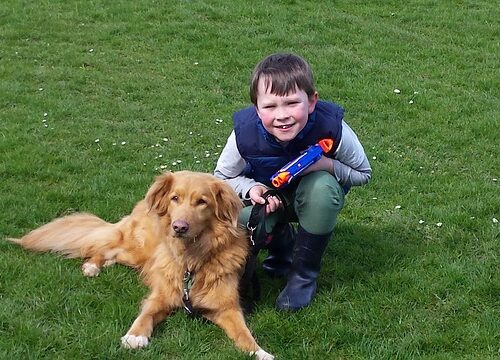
321 191
318 201
327 197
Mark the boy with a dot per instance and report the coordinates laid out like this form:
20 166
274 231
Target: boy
285 119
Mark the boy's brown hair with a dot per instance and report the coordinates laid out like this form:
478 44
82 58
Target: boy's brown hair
284 73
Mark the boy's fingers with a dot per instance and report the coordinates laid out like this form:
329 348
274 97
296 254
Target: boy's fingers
273 205
260 200
276 200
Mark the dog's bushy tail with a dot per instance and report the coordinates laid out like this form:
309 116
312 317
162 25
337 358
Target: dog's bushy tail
77 235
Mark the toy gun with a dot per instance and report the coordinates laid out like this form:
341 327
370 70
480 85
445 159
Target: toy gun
288 172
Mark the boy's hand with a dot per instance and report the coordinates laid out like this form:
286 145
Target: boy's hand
323 163
255 195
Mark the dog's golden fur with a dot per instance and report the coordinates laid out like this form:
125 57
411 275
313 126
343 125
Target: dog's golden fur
187 222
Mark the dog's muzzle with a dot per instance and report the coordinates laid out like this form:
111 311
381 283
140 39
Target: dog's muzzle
180 227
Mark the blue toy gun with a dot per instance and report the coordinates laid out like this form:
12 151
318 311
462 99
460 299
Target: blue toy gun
288 172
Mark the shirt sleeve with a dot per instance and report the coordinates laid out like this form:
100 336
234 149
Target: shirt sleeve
230 166
351 166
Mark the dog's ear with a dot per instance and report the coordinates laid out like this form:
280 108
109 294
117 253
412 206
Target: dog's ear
227 202
157 195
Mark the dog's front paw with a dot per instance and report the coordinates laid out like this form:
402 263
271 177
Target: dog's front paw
90 269
134 342
262 355
109 262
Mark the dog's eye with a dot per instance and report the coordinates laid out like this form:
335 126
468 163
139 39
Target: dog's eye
174 198
201 202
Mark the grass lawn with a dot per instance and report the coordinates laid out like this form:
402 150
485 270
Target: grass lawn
96 98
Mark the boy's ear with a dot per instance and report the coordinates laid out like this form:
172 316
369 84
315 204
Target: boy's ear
313 100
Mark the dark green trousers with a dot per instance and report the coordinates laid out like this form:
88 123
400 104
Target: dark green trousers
314 202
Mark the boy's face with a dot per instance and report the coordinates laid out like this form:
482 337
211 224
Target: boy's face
284 116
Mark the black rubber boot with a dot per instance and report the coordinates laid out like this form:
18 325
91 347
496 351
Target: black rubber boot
301 286
280 249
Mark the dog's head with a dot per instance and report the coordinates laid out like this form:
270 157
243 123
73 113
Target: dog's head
194 203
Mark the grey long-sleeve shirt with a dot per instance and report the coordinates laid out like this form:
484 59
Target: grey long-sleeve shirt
351 166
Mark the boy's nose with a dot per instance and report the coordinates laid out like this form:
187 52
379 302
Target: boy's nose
281 113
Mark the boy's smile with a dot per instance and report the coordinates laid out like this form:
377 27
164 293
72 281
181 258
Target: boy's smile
284 116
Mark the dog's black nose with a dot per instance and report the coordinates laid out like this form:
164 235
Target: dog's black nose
180 226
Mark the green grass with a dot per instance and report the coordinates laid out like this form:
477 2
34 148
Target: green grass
392 286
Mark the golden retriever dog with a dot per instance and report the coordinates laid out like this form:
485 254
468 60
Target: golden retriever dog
185 240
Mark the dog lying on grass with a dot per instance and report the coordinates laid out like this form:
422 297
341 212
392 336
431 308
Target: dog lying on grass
185 240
